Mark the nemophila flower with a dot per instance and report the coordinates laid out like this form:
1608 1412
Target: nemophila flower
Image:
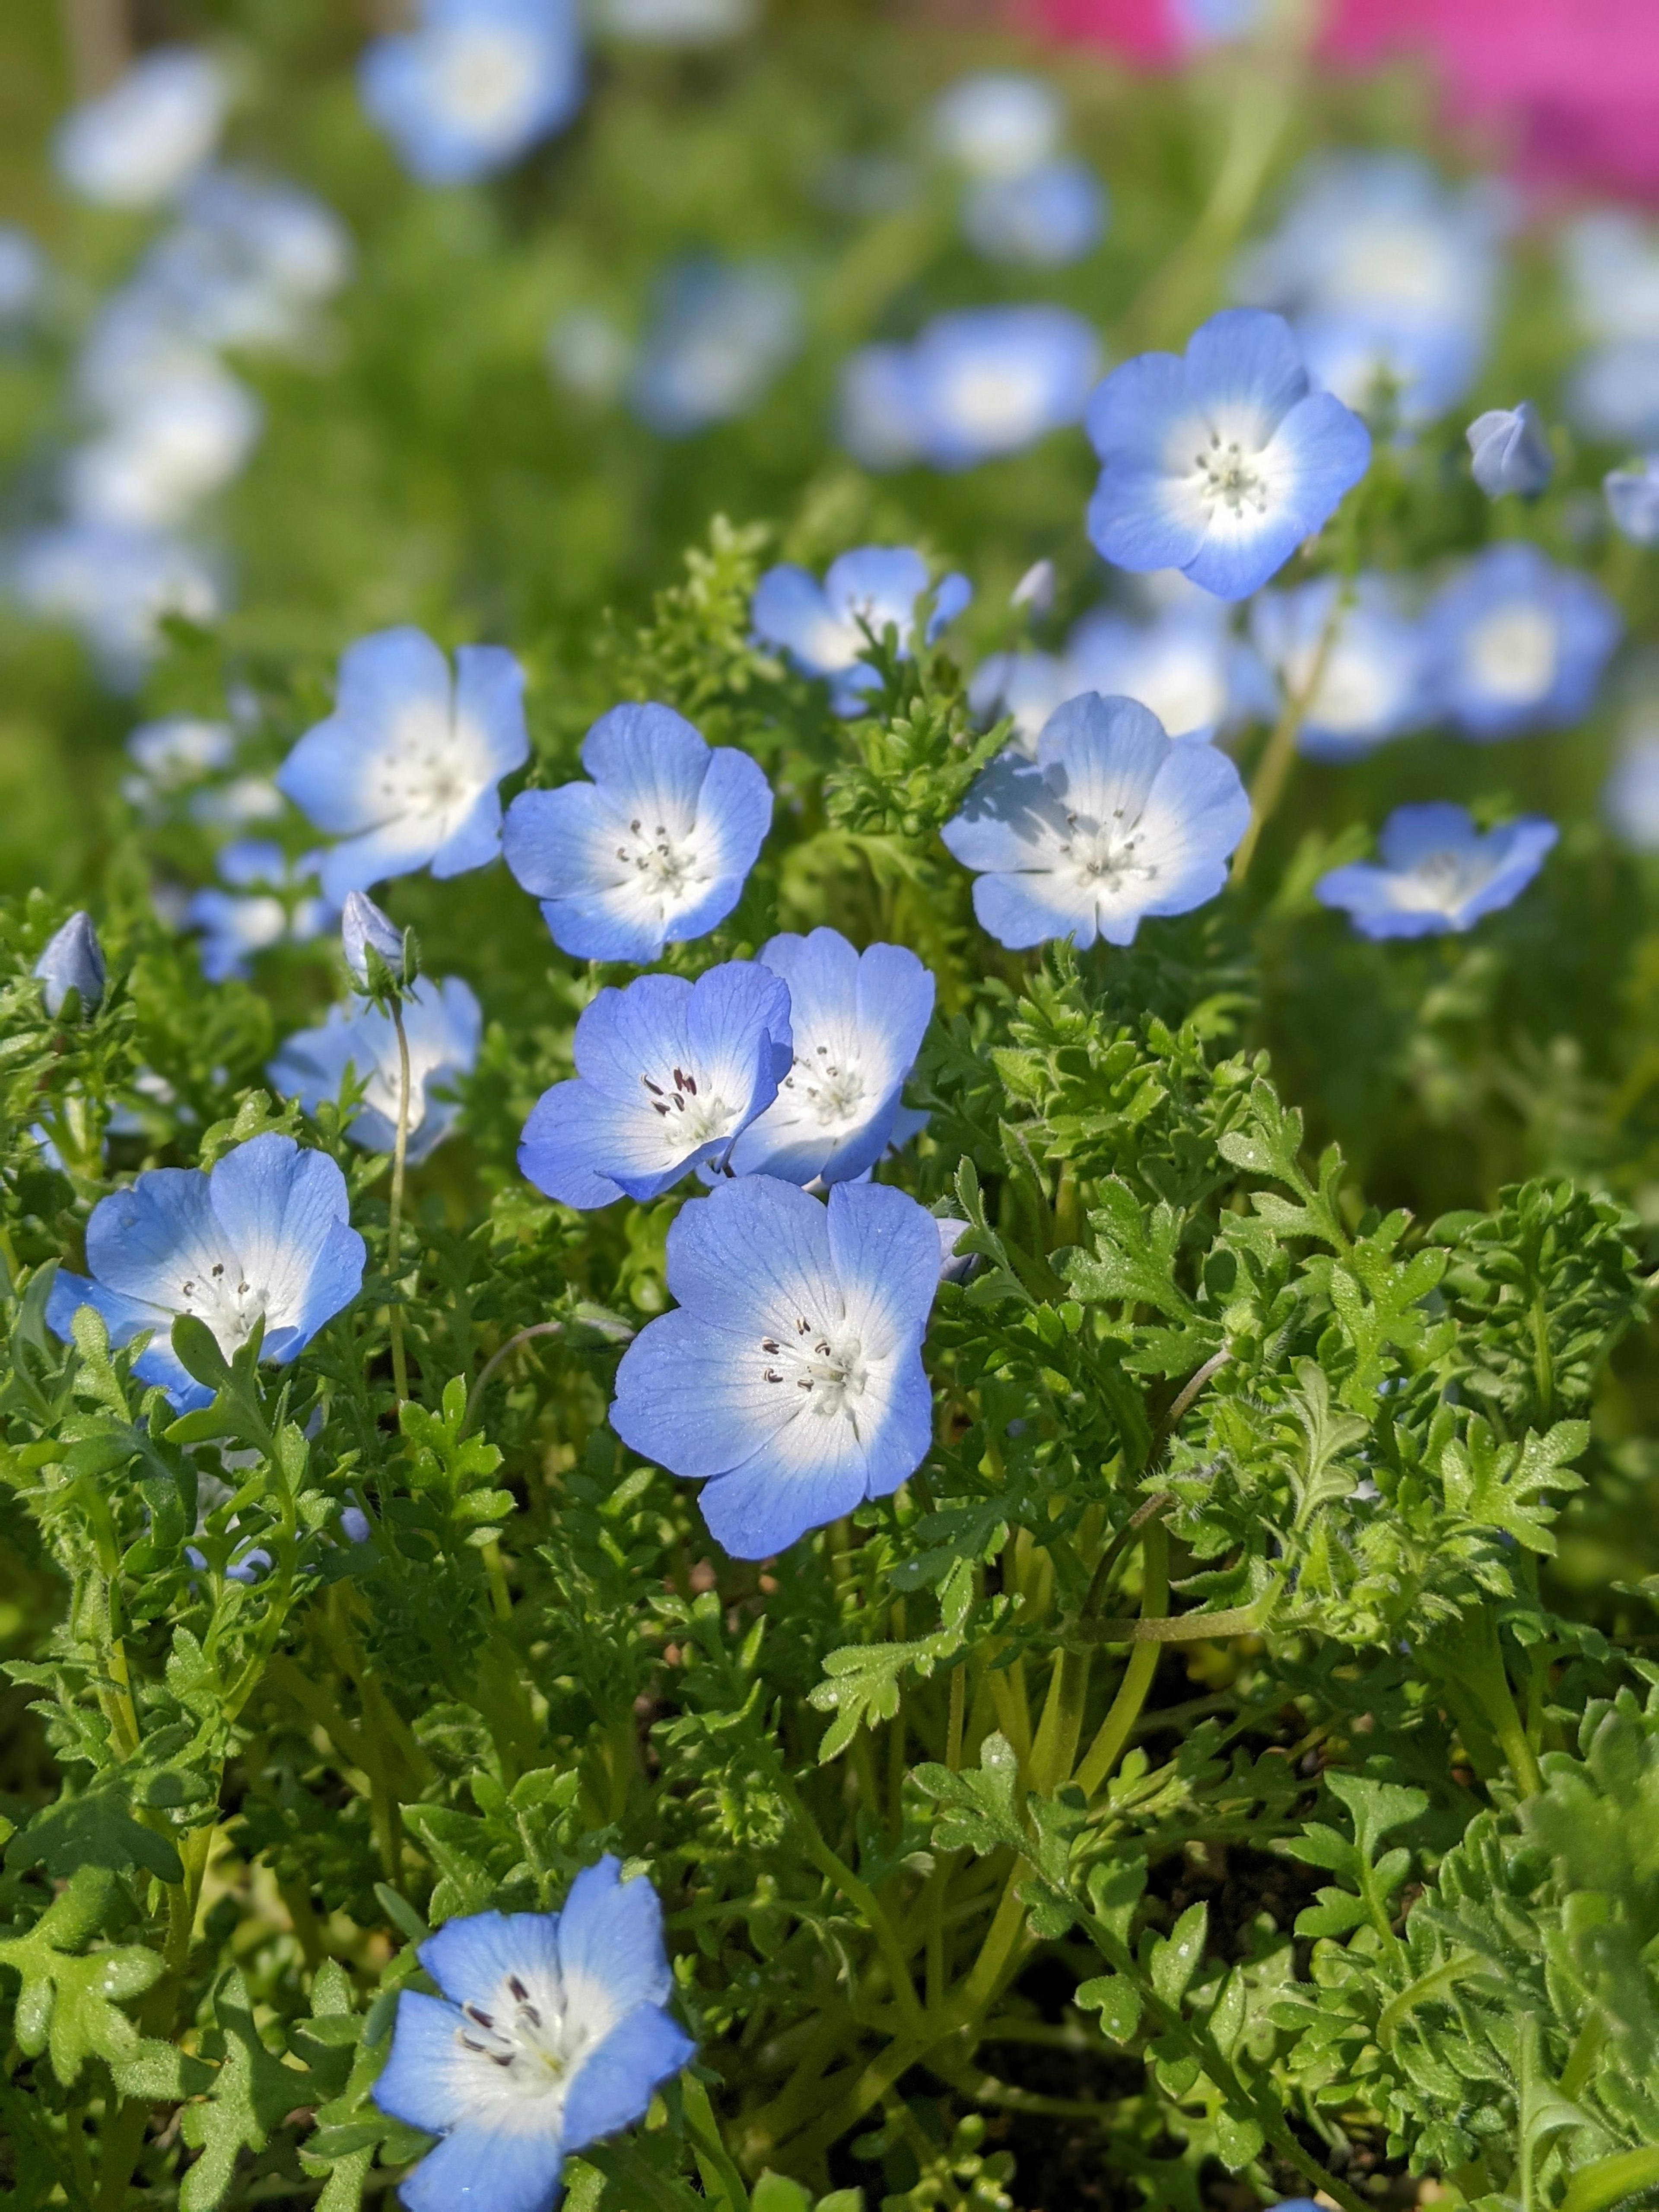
142 141
1406 371
998 123
249 261
550 2033
826 627
789 1379
1632 497
653 851
1216 22
266 1233
1438 871
179 441
1611 262
406 766
721 334
857 1020
1043 218
115 587
1374 680
1630 797
1518 644
668 1074
674 22
363 928
976 385
1509 451
271 899
73 960
475 85
1221 461
588 353
172 753
1114 821
1613 393
443 1024
22 274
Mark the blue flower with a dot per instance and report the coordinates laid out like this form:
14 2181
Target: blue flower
1043 218
73 960
1219 464
822 626
790 1378
406 766
550 2033
1382 365
1632 497
267 1233
1510 451
976 385
248 262
364 927
143 140
116 588
182 438
857 1020
653 852
1115 821
174 752
1519 644
1612 266
478 84
1438 872
1216 22
674 23
1614 393
722 334
22 274
998 123
269 900
1374 682
443 1025
1630 800
667 1074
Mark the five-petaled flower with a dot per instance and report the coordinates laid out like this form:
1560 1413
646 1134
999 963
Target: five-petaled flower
1438 872
653 851
1113 821
550 2033
475 84
266 1234
1220 462
826 627
1519 644
789 1379
1365 658
667 1074
405 768
442 1025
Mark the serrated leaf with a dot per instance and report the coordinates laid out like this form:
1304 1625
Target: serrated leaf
1117 2001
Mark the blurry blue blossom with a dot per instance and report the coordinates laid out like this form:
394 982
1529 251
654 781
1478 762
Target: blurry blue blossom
363 928
475 84
406 768
1373 678
674 23
73 960
114 586
668 1074
443 1024
266 1234
1383 365
653 851
822 626
1613 393
722 333
1217 22
355 1524
142 141
1630 799
857 1020
1438 872
1518 644
789 1379
248 262
1632 497
999 123
588 353
171 754
549 2034
237 804
1222 462
1114 821
1510 451
976 385
181 440
22 274
1036 590
1043 218
136 344
1612 263
269 900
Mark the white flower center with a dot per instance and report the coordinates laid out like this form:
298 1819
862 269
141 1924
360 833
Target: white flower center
993 404
1227 477
690 1117
522 2048
829 1089
483 73
429 766
822 1368
666 868
1440 882
1102 856
1514 652
1357 691
226 1301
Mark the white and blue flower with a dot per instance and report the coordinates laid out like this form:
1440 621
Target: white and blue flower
270 901
826 627
653 851
1509 451
976 385
175 443
722 334
406 766
443 1024
1041 219
115 587
366 928
1113 822
550 2033
1632 497
265 1235
248 263
1221 463
22 275
1630 799
142 141
1519 644
1612 261
73 960
668 1074
1438 871
475 85
999 123
789 1379
1373 683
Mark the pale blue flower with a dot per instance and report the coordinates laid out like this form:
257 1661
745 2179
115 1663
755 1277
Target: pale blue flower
1114 821
1438 872
1519 644
1613 394
354 1525
271 901
22 274
476 84
1035 589
406 766
172 753
114 586
1630 799
1632 497
674 23
363 926
722 334
1221 463
550 2033
73 960
265 1234
857 1019
1510 451
443 1024
653 851
142 141
1374 682
1217 22
1041 219
976 385
825 628
789 1379
249 262
181 439
1385 366
668 1074
999 123
1612 260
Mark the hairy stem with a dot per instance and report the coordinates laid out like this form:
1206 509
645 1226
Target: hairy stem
1273 768
394 1226
1114 1732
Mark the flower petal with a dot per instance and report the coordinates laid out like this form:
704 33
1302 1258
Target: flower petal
652 763
486 2166
610 1946
614 2084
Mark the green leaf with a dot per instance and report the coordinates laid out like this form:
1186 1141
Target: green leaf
250 2091
1176 1957
1117 2001
1236 2140
978 1807
97 1829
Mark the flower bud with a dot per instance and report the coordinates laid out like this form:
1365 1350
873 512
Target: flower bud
1632 496
74 961
1510 451
362 925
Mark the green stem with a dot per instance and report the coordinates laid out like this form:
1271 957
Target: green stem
1114 1732
394 1226
524 1336
1581 2059
1278 754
